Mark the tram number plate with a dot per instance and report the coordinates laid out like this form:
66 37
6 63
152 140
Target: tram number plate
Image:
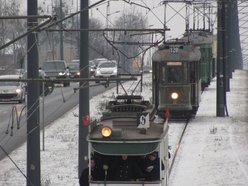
174 50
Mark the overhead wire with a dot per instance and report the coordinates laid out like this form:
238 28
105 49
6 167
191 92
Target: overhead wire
151 10
14 163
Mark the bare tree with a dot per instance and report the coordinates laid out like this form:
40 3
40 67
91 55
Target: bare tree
10 29
129 44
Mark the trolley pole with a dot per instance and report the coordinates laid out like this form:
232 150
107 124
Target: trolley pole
33 128
83 93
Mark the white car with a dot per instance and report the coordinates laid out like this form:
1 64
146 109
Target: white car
106 69
12 90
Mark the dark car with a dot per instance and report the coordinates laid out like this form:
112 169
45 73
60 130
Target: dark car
76 64
48 85
57 70
74 69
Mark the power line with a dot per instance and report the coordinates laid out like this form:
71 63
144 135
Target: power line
6 153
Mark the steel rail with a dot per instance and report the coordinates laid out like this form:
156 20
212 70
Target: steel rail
178 144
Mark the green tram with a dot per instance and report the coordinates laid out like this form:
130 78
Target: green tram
204 40
176 80
129 127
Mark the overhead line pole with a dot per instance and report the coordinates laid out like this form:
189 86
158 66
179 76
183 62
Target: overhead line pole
33 129
61 32
224 55
220 112
83 93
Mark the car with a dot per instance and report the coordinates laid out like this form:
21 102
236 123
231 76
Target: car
106 69
12 90
57 70
74 69
92 68
19 71
76 73
96 61
147 69
48 85
75 61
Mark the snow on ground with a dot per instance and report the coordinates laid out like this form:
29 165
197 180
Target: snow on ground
214 151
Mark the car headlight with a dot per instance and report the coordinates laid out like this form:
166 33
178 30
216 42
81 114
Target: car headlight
18 91
106 132
174 95
97 71
61 73
78 73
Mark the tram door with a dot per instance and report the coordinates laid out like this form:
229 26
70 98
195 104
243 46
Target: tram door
164 155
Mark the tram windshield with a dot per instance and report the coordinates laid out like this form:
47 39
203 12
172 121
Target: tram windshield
120 169
173 72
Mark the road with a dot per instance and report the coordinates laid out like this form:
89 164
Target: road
55 105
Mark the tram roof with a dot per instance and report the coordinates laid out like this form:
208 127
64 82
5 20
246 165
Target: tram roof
134 127
177 51
127 138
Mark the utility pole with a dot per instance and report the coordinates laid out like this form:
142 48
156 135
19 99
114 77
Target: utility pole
220 61
61 32
33 128
83 92
233 42
226 61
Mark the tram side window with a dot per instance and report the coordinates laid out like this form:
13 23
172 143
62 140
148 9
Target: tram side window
192 73
174 74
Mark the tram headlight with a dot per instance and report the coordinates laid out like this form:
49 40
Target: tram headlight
174 95
106 132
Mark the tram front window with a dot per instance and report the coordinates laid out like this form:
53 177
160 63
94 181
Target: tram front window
174 74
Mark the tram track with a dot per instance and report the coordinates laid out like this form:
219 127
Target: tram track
178 143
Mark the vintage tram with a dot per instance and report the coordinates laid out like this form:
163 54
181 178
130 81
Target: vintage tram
129 127
175 78
204 40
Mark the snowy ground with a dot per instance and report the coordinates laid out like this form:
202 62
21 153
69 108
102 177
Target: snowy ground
214 151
